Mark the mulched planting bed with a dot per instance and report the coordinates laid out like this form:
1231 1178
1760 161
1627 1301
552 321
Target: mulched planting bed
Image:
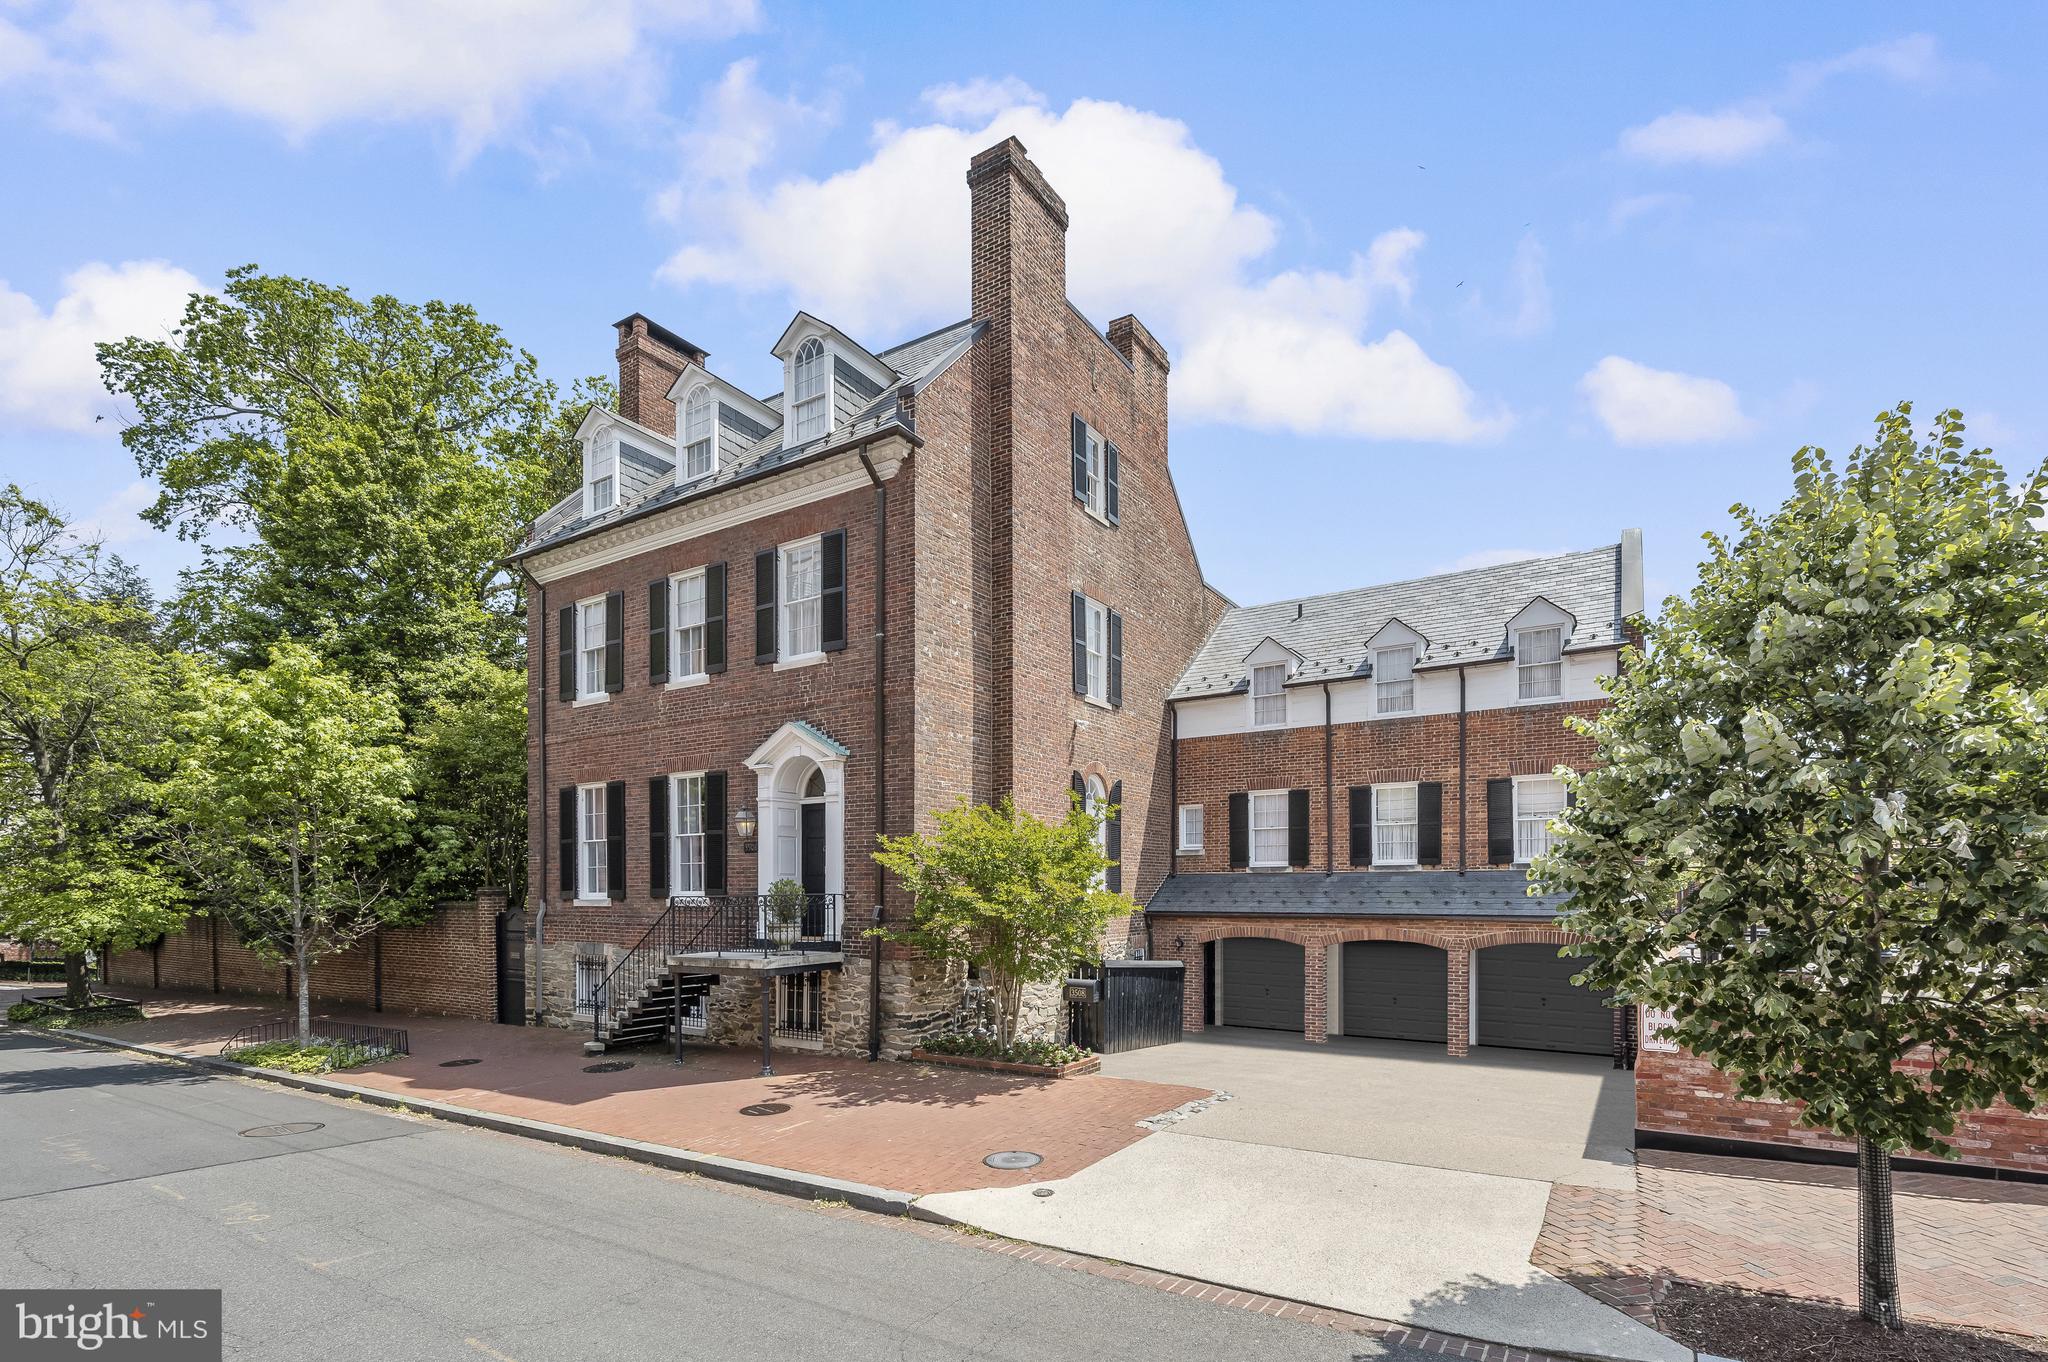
1757 1327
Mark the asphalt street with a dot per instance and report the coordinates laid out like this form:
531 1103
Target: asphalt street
375 1236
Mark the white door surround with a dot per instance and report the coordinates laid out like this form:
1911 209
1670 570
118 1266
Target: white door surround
784 768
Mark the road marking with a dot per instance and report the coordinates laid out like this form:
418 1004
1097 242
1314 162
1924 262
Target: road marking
345 1258
488 1351
159 1187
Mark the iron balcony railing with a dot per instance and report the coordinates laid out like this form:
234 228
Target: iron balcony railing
730 924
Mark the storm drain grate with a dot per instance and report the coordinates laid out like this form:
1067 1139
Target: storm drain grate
1014 1159
610 1066
765 1109
294 1128
458 1063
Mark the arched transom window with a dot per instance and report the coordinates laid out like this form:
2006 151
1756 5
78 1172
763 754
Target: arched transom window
699 434
811 391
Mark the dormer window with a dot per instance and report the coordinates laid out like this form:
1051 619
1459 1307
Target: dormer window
1393 673
1539 663
810 391
1269 701
700 434
600 476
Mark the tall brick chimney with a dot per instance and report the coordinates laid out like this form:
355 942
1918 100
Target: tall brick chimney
1019 236
651 358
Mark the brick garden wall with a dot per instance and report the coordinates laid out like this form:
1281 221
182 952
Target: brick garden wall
446 966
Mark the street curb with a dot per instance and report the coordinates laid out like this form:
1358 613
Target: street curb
766 1177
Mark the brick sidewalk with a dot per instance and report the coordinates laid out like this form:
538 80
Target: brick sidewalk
911 1127
1971 1251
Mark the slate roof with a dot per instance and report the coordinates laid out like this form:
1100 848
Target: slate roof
1356 893
916 363
1464 615
820 736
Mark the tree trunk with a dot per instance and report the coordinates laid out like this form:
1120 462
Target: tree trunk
75 991
305 1003
1876 1246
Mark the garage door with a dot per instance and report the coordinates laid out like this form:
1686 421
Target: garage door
1262 984
1394 990
1526 1001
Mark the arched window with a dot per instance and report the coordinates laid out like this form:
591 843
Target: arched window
699 434
1095 799
810 391
814 788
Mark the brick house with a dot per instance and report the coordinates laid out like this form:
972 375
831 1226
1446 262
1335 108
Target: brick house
765 629
1359 780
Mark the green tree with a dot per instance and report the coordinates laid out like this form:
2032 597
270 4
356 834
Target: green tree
469 759
1017 898
292 798
83 736
1818 834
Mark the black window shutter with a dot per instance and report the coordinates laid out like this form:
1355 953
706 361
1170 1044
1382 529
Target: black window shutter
1240 831
832 591
1116 659
565 654
1361 825
615 641
1080 644
764 606
1500 822
1081 789
657 630
714 832
566 847
615 838
1113 839
1111 459
1429 823
1080 432
1297 827
657 836
714 618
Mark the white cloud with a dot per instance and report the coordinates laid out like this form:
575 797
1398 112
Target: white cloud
49 374
1644 406
1635 206
1157 228
116 521
1528 309
475 66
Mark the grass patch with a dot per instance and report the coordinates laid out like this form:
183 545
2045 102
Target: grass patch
319 1057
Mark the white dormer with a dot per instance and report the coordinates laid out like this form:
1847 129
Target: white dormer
810 351
609 440
601 472
1538 635
702 399
1271 665
1394 652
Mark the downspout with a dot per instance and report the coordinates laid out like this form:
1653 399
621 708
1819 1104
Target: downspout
539 892
1329 792
1463 792
881 741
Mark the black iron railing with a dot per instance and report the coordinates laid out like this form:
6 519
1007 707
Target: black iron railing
390 1039
730 924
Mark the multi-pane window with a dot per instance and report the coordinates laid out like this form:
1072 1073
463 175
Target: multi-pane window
802 577
1095 799
1269 701
1393 825
798 1010
1191 827
1097 642
590 647
811 391
699 431
686 608
688 822
602 493
1269 827
1393 672
1538 799
1098 475
593 878
1539 665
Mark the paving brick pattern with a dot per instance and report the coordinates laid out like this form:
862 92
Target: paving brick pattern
1971 1251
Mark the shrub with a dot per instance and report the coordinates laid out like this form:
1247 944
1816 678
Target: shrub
43 1014
27 1012
319 1057
981 1046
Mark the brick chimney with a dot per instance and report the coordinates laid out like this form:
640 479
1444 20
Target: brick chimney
1019 237
651 358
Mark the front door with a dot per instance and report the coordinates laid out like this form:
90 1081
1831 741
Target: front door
813 874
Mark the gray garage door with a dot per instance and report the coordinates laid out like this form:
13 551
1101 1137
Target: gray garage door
1262 983
1526 1001
1394 990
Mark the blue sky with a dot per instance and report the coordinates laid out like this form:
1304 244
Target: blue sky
1441 284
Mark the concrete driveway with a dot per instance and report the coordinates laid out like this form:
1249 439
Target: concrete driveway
1374 1177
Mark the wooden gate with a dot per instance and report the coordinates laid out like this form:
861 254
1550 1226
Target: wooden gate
1137 1004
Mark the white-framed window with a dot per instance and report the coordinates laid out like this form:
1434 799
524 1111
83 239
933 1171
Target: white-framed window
1097 461
686 823
802 580
1539 663
1096 635
1393 672
1538 799
601 487
686 620
593 875
810 391
1393 824
1095 799
1191 827
1269 827
590 647
1269 701
700 434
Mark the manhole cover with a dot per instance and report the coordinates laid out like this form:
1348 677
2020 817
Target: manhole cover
295 1128
1014 1159
458 1063
1041 1191
765 1109
610 1066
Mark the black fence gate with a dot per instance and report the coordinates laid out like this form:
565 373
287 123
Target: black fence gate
512 967
1135 1004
